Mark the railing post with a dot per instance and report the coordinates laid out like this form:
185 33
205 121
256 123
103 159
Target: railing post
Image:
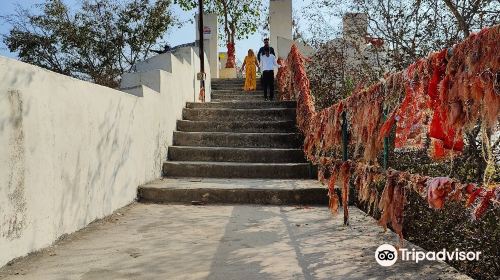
201 53
344 136
386 143
344 158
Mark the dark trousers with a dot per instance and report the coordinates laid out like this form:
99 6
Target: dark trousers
268 83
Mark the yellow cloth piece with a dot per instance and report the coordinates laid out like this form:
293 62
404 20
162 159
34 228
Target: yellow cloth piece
250 72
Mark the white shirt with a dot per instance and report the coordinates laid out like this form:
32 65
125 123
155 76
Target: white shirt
268 62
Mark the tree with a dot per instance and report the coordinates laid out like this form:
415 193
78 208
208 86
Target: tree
339 67
98 42
409 28
473 14
237 19
296 30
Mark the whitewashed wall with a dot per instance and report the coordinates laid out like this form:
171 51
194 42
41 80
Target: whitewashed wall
72 151
280 23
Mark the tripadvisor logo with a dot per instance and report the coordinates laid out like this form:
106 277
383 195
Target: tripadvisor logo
387 255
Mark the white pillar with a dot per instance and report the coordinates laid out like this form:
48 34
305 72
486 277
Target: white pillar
280 22
210 42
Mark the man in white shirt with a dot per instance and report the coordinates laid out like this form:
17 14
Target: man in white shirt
267 65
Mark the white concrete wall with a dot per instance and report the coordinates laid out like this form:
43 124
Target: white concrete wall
280 22
211 44
153 73
72 151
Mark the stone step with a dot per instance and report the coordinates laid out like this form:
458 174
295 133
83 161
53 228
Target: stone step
240 97
239 92
241 140
243 105
241 126
234 191
234 87
263 155
227 81
223 114
238 170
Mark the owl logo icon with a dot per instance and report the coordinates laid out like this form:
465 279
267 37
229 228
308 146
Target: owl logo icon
386 255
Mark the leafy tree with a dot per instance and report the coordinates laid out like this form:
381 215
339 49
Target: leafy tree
237 19
98 42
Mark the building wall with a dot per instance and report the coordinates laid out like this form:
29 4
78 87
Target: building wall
355 28
72 152
357 52
280 22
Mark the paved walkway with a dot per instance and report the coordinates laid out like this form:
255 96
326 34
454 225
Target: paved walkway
148 241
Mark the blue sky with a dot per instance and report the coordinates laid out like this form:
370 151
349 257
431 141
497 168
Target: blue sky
175 37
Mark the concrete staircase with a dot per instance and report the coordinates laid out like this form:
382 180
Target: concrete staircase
237 149
237 135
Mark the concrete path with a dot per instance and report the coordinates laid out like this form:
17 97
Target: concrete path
147 241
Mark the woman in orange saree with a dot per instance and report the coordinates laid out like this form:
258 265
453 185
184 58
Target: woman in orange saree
250 71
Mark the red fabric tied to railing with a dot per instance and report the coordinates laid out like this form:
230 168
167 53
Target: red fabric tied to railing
444 95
